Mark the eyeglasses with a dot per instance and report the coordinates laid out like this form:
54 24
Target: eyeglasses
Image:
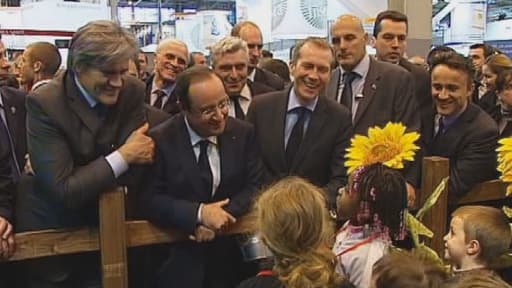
209 111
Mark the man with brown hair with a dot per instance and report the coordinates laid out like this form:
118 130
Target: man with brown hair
39 63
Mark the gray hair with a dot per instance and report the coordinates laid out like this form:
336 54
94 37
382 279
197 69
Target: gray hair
99 44
228 45
168 41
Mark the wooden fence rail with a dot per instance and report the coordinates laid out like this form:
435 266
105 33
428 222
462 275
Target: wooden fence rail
115 235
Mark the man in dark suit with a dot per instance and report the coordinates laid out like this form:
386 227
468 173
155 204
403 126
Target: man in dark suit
12 153
390 43
230 60
251 34
171 58
86 131
375 92
39 63
460 130
206 172
302 132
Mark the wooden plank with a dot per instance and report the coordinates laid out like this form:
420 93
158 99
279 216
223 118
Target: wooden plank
112 228
487 191
30 245
434 170
36 244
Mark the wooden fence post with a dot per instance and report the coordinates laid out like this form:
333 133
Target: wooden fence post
113 239
434 170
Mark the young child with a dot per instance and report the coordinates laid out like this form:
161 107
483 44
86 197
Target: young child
477 236
375 203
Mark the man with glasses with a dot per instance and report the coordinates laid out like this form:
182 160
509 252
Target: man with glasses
171 58
207 170
251 34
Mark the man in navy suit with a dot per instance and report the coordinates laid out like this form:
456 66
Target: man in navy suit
206 172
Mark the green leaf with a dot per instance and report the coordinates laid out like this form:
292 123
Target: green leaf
432 199
425 252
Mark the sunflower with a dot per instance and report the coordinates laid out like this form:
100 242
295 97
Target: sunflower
505 161
390 146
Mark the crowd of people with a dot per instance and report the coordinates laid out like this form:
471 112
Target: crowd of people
197 146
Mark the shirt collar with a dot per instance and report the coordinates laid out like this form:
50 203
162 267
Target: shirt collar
195 138
361 68
167 88
90 100
246 92
293 102
450 119
1 100
252 75
40 83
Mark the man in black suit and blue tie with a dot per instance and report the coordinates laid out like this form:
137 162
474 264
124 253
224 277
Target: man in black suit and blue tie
302 132
206 172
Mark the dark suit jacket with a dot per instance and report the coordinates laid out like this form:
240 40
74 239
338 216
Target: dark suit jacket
67 143
269 79
507 131
321 155
470 144
6 181
175 193
388 97
488 103
258 88
171 106
422 91
15 114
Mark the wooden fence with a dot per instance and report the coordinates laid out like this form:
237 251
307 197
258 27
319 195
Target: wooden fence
115 235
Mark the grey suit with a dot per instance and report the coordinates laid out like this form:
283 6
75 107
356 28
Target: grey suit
388 96
67 143
321 154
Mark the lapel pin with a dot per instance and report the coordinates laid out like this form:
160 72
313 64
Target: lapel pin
374 87
13 110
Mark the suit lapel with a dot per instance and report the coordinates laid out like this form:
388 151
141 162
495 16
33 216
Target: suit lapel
333 85
316 123
188 158
277 124
13 121
227 143
370 86
80 106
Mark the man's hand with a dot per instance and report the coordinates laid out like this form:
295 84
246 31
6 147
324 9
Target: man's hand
202 234
214 217
411 196
7 245
138 148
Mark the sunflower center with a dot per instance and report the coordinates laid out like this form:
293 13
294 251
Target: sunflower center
382 152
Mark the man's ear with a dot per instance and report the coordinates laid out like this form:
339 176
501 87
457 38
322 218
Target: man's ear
372 41
473 248
37 66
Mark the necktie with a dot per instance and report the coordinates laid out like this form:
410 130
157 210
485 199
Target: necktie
239 113
204 166
346 95
440 127
159 99
101 110
7 142
296 136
